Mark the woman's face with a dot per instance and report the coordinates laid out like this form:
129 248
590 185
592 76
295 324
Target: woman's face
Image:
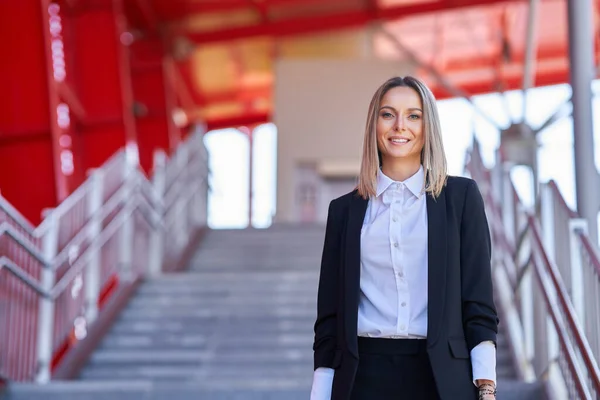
400 125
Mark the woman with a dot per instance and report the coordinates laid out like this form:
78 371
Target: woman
405 303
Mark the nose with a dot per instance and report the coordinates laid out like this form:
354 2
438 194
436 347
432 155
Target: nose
400 124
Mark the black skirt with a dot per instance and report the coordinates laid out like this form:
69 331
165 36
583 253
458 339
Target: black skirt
393 369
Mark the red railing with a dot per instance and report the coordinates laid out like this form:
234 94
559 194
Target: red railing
568 361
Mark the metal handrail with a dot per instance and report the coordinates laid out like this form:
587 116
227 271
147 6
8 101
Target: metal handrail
563 203
561 291
16 216
25 243
82 261
590 250
103 207
18 272
563 322
111 205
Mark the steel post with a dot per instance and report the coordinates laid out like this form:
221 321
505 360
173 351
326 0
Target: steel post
581 49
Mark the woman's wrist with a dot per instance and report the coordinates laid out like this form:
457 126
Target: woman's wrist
487 389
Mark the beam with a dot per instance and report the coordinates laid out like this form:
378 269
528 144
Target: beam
67 95
531 46
148 14
238 120
330 22
511 81
184 11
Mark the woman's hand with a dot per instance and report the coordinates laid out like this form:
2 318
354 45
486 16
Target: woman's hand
487 389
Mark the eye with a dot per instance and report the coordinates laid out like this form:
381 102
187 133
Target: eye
414 116
387 115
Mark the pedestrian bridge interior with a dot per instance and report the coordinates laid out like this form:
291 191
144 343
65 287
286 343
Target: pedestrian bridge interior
112 283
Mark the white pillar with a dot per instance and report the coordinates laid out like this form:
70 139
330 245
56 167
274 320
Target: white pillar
92 273
127 229
577 281
155 259
45 328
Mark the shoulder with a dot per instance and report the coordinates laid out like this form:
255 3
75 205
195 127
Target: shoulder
342 203
459 186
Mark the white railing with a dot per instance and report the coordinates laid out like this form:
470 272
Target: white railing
115 228
541 288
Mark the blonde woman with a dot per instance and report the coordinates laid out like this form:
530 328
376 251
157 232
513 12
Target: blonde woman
405 303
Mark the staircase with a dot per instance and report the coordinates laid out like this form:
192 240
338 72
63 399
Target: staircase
236 325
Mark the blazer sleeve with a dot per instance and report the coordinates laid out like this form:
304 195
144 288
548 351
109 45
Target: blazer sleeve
480 319
326 323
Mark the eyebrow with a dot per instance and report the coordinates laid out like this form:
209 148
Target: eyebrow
392 108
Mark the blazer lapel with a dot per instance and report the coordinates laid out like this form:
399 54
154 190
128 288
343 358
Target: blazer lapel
437 255
356 211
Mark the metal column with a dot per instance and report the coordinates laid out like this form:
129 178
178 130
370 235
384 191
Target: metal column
581 49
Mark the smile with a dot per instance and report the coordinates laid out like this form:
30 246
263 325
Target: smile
399 141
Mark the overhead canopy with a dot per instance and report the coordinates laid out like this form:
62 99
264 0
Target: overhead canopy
225 49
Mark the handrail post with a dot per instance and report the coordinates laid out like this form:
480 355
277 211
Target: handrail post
155 259
181 223
577 281
508 205
92 273
548 229
45 329
199 199
126 242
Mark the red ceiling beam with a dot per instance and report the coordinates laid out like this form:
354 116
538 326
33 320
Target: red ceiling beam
251 118
511 82
341 20
180 11
241 94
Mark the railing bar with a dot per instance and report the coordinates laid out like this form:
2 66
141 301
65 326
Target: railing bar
593 256
107 208
562 333
14 269
26 245
569 310
96 245
15 215
62 208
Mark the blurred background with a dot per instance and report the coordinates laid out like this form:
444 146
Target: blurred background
166 168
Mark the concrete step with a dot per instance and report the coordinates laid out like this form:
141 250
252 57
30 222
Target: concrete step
203 372
215 389
284 356
288 389
517 390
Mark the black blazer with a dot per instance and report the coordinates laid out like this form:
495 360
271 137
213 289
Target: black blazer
461 311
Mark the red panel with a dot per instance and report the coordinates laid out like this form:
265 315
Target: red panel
27 173
101 78
154 98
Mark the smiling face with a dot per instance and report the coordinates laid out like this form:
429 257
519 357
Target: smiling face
399 129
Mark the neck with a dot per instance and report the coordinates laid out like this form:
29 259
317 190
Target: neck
400 171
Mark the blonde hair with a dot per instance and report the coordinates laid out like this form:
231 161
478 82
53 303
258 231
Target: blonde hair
433 157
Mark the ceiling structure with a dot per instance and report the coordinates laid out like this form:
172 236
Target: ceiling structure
224 50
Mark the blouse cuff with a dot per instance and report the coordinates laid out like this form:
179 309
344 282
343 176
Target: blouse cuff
483 360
